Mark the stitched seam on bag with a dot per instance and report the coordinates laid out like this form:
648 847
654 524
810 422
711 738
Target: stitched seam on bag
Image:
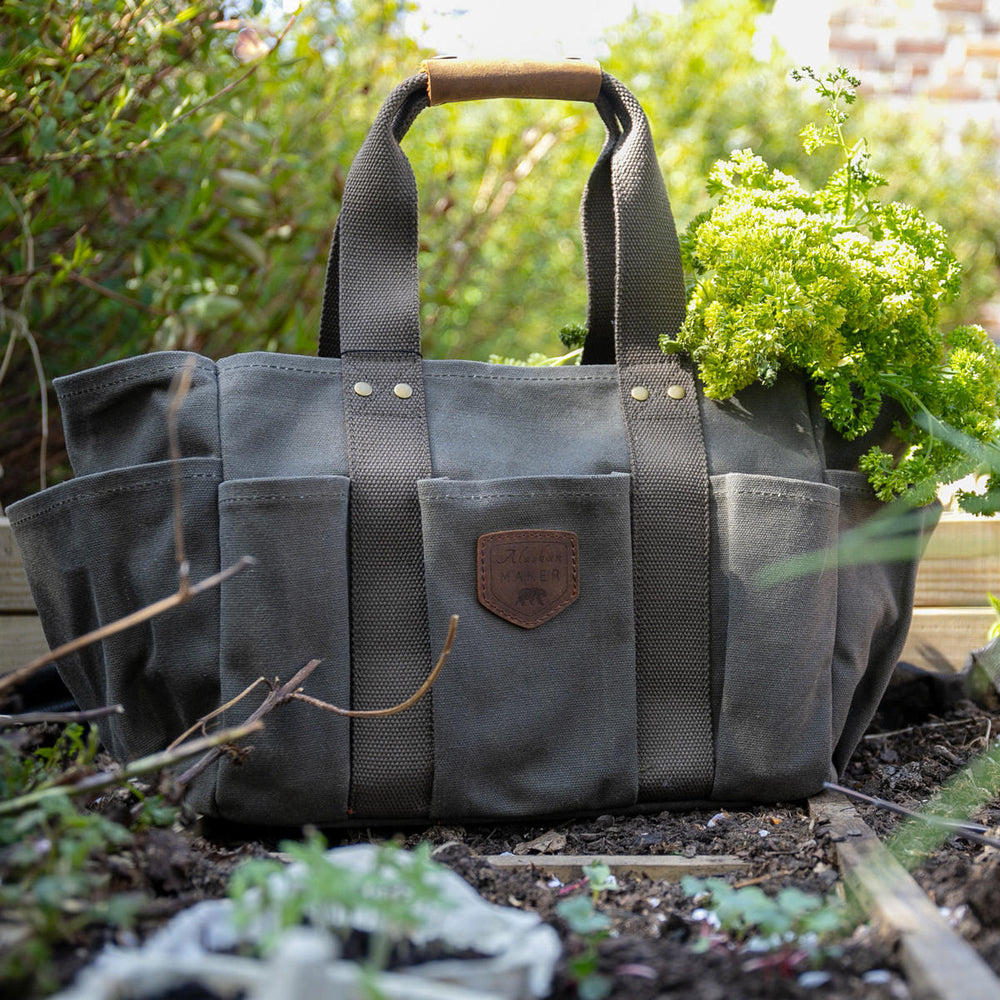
277 368
283 496
131 488
773 495
141 376
514 496
496 378
524 378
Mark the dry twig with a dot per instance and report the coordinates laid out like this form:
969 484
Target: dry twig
112 628
186 591
278 696
378 713
871 737
36 718
289 691
144 765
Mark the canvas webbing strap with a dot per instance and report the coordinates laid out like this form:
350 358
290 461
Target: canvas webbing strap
388 451
378 316
670 491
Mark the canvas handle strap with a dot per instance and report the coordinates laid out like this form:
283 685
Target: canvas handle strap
598 225
372 300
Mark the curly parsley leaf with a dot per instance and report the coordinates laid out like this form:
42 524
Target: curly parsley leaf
846 289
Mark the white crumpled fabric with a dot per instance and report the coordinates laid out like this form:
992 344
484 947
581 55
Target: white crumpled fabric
522 950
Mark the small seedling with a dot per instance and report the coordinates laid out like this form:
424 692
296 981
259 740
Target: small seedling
592 927
600 879
758 922
54 887
392 896
54 850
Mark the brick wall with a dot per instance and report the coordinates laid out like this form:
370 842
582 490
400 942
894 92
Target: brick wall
942 55
945 53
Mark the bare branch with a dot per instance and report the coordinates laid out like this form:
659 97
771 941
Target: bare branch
179 389
19 328
185 592
279 696
112 628
110 293
378 713
290 692
205 719
959 828
35 718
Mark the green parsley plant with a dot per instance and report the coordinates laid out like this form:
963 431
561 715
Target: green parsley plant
847 289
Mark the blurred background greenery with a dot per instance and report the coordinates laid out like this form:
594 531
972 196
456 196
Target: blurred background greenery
170 174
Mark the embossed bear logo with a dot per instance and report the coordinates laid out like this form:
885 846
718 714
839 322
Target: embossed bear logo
532 595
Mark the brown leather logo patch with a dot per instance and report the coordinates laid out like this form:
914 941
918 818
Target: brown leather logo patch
528 577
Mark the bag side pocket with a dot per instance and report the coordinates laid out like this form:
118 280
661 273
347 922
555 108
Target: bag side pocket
874 602
774 642
97 548
538 719
114 416
289 608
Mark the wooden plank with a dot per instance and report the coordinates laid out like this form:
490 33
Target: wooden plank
961 563
21 640
942 638
14 592
660 867
939 964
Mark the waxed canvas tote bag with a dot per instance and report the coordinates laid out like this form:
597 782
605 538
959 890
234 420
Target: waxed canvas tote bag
600 531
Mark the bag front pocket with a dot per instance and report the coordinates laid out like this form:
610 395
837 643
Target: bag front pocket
97 548
772 643
535 711
289 608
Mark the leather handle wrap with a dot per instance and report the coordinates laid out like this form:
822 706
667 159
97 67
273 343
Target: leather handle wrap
450 80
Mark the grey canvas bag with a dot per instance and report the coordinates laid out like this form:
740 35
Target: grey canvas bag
600 531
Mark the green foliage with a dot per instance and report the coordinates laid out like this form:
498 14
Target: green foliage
751 917
846 289
975 785
74 749
54 883
588 923
158 193
600 879
995 627
325 894
573 335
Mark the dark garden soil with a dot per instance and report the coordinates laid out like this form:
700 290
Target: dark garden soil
650 949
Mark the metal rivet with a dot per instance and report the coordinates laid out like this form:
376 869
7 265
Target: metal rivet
640 392
403 390
363 388
676 391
